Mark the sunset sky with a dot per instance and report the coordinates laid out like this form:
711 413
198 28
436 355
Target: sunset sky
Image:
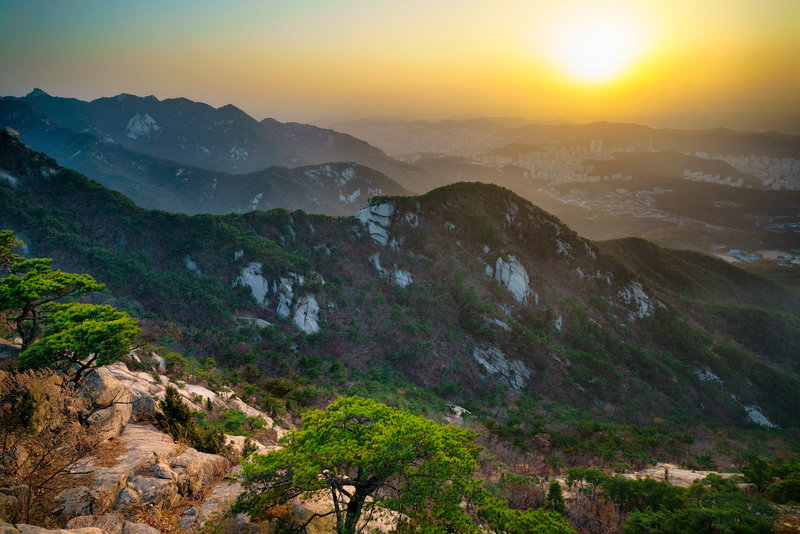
323 60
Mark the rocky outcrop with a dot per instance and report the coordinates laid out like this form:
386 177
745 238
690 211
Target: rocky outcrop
140 125
145 409
111 402
150 470
377 218
638 303
251 278
400 277
513 276
75 501
146 391
6 528
755 415
305 308
492 359
220 498
110 523
153 471
306 315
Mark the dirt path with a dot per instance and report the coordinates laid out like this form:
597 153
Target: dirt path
677 476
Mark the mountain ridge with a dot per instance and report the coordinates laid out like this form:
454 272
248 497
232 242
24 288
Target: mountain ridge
157 183
469 290
222 139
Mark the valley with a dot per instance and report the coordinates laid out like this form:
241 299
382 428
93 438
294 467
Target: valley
705 191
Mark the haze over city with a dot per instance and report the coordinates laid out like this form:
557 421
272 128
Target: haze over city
682 63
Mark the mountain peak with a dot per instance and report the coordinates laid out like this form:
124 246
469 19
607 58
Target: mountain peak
36 93
232 110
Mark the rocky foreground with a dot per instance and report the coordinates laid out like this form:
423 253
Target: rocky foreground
140 476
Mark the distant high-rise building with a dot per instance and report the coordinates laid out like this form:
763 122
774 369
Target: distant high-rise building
596 145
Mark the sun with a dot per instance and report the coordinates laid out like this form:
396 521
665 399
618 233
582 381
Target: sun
597 47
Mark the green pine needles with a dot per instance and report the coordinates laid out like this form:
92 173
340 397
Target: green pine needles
369 458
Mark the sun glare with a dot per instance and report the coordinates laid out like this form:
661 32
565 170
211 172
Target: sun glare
597 47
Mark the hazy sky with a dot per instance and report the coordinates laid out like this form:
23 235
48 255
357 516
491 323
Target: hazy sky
323 59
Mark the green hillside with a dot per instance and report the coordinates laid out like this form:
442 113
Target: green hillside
477 298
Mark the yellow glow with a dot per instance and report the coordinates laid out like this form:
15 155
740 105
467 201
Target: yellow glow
578 60
596 46
597 52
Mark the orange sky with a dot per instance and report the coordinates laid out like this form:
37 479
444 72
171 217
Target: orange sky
324 60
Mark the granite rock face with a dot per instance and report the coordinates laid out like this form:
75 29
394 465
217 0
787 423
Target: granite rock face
377 219
513 276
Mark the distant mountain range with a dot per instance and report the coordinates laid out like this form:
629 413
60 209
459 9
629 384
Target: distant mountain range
182 156
475 136
225 139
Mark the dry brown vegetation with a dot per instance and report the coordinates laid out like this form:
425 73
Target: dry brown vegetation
42 444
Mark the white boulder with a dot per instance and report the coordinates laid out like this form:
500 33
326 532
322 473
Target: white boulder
514 372
514 277
377 219
306 315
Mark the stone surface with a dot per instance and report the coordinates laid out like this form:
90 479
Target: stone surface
31 529
9 507
75 501
639 305
156 492
110 421
187 523
259 286
114 399
138 528
401 278
757 416
284 308
375 260
109 523
377 219
515 373
221 497
144 409
163 471
236 443
101 387
128 498
514 277
306 315
141 443
205 393
303 508
146 393
191 511
151 469
199 469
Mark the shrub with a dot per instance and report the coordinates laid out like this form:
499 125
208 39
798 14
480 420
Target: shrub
181 423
